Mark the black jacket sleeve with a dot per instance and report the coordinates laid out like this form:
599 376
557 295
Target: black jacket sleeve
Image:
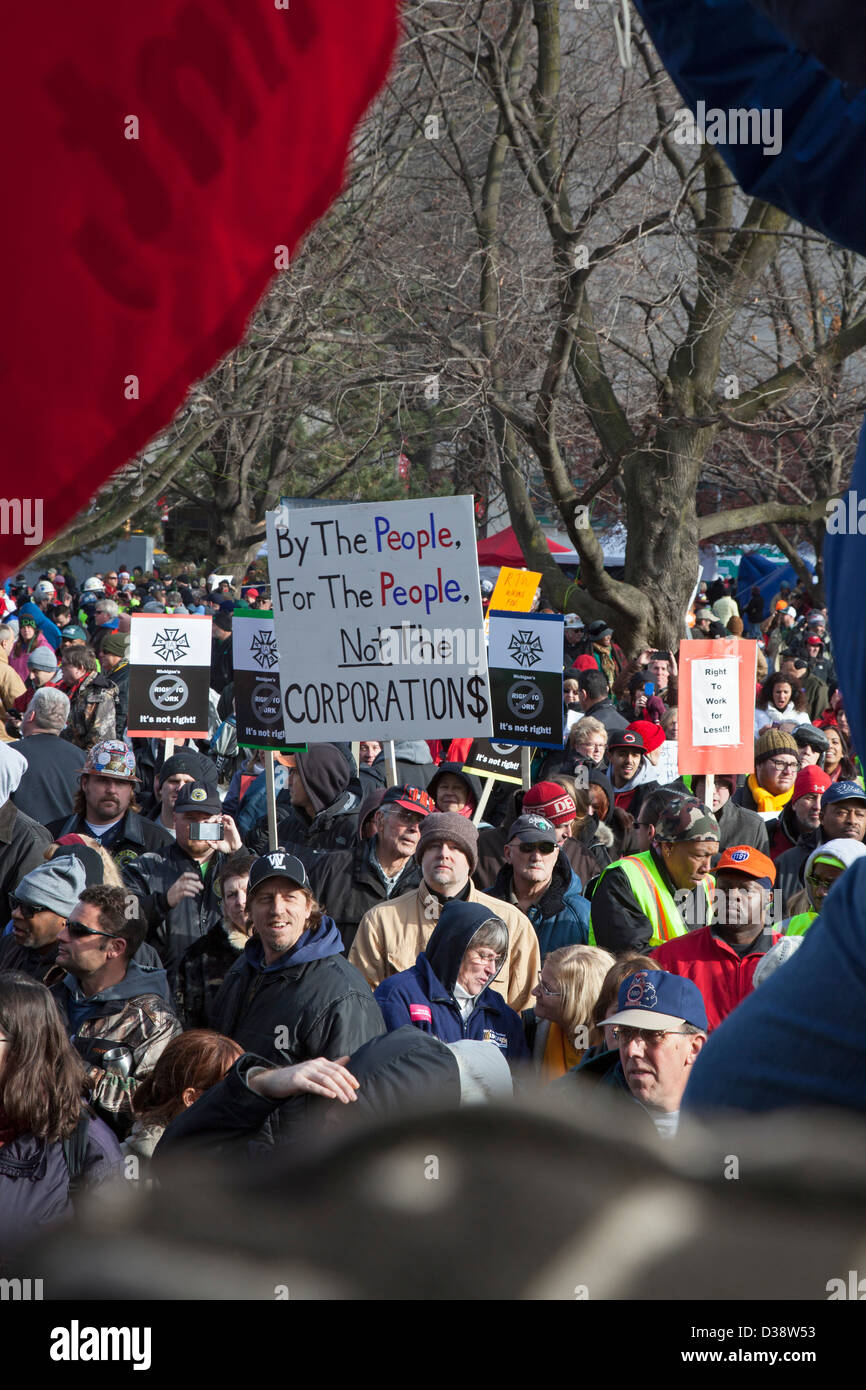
226 1117
617 921
344 1026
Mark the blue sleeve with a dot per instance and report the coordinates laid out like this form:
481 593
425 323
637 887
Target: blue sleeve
255 806
394 1006
727 55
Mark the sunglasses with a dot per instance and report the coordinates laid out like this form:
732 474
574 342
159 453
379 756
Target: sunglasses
76 930
543 846
27 910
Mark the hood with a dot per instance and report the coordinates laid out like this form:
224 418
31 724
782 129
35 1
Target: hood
315 944
13 766
412 750
842 852
458 923
472 784
139 979
325 774
600 779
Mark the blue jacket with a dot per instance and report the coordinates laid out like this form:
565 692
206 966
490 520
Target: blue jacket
50 631
422 995
561 917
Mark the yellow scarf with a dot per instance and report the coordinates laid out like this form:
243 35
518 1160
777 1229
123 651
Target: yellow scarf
559 1055
764 800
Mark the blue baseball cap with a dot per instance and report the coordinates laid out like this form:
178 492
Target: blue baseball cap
656 999
843 791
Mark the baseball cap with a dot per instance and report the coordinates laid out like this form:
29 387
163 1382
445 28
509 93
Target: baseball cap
599 628
627 738
686 818
573 622
814 642
410 798
810 780
843 791
655 999
652 734
706 613
277 864
790 612
198 796
532 830
111 758
745 859
252 593
72 633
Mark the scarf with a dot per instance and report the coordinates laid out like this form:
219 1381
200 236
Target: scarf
764 800
559 1055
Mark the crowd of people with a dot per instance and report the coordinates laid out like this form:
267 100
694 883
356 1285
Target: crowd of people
171 984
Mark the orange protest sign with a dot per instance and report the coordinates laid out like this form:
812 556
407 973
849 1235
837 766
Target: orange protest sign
716 705
515 590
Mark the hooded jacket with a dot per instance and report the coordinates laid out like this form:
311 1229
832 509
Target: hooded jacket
424 994
472 785
390 938
561 915
309 1003
326 773
347 884
397 1071
135 1013
414 764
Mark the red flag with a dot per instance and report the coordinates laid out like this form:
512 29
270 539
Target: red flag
162 161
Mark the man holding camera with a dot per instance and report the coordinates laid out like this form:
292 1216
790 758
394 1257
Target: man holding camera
177 886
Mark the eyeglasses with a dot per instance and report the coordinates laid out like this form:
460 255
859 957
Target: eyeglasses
410 818
783 764
545 989
542 846
825 883
27 910
76 930
651 1037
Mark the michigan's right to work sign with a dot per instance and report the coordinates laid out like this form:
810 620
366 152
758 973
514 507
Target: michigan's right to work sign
258 703
169 675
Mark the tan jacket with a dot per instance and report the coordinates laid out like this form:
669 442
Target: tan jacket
12 688
390 936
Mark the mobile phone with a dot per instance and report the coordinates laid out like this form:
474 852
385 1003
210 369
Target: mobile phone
206 830
649 688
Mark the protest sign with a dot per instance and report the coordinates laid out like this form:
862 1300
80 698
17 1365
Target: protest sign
525 659
169 676
514 590
378 614
716 706
258 702
498 760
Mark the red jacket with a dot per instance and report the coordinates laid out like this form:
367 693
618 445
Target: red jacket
723 977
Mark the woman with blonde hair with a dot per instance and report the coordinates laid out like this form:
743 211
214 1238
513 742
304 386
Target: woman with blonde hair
569 983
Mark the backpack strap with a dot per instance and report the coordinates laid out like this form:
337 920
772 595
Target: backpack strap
75 1150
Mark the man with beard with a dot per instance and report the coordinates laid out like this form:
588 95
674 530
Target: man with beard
104 805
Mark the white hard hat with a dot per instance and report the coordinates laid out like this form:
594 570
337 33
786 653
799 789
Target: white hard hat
93 585
44 589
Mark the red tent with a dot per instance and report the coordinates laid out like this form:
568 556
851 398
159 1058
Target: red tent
504 549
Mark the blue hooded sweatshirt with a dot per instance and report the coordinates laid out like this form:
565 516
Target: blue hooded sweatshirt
138 980
424 994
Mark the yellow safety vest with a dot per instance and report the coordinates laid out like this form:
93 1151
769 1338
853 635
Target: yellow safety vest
800 924
653 897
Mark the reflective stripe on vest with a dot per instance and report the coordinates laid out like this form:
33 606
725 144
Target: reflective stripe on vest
800 924
653 898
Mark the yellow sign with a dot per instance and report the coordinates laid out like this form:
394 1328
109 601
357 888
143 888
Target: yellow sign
515 590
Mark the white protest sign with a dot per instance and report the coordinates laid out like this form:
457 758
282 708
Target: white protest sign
377 616
716 702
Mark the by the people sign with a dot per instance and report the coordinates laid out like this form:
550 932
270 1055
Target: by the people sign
169 677
716 706
258 702
525 658
377 615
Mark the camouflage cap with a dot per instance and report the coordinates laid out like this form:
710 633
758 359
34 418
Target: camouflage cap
687 819
111 759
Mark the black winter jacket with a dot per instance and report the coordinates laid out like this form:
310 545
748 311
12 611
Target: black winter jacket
172 930
309 1003
22 843
133 837
346 884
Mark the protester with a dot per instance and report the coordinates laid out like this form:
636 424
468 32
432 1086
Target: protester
453 790
53 765
826 863
105 806
813 745
628 756
92 699
41 904
779 703
22 840
390 937
798 821
18 650
292 995
177 884
842 817
737 826
594 699
51 1143
318 811
838 763
180 770
114 658
205 965
381 867
771 785
447 991
560 1027
539 879
633 903
187 1067
110 1003
12 680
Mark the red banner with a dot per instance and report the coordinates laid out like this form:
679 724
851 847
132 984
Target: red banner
162 162
716 706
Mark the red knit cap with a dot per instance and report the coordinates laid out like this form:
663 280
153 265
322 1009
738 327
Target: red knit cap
653 734
585 663
551 801
810 779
